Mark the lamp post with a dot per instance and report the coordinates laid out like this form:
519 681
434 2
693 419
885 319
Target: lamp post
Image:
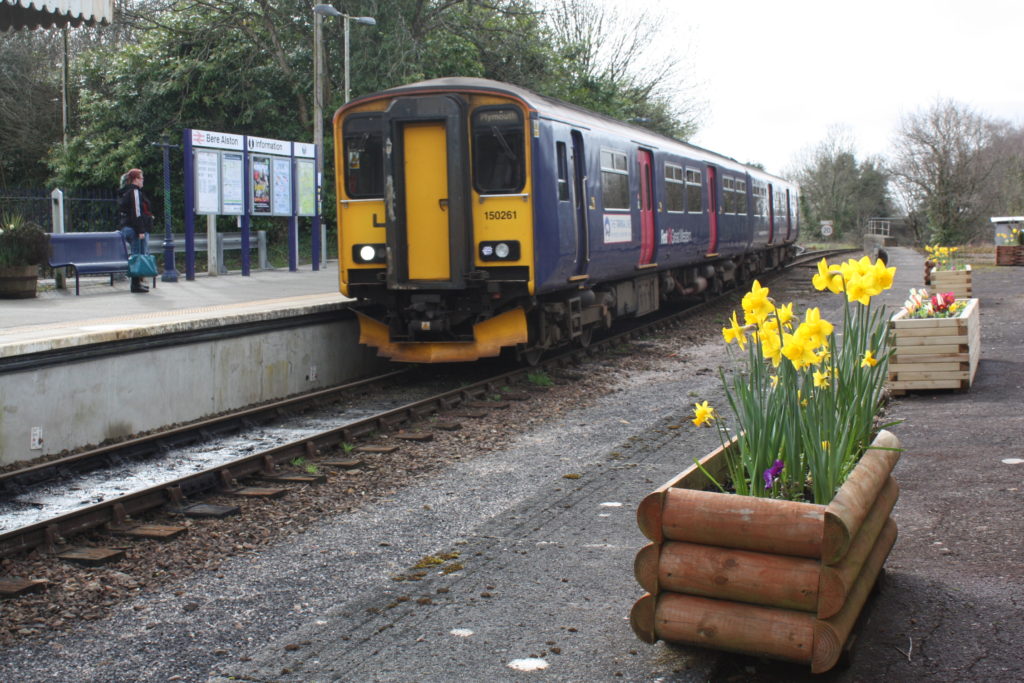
318 88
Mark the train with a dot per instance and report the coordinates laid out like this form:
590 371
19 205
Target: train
478 218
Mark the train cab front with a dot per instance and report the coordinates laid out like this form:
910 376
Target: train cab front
435 238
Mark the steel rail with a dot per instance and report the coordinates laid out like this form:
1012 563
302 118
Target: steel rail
50 534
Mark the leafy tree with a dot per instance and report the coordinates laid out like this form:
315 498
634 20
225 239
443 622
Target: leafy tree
30 105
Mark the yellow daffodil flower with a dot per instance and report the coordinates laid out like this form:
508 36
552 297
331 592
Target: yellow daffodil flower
735 333
827 278
702 413
869 360
821 379
756 304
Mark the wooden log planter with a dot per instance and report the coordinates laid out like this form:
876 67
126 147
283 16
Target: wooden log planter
934 353
1010 255
956 281
760 576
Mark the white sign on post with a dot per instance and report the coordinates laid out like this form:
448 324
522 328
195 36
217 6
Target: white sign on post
282 188
207 181
231 183
306 186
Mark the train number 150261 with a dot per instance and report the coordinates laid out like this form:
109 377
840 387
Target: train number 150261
499 215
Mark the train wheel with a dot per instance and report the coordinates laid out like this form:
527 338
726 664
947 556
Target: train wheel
532 357
585 336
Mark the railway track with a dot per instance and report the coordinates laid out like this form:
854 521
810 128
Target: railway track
182 494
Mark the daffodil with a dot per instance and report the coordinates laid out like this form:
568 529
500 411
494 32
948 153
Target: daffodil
821 379
702 413
735 333
869 360
814 328
784 314
756 304
827 278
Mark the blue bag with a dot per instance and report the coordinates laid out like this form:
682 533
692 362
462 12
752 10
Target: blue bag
142 265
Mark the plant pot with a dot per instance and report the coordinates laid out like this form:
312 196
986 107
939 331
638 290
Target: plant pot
18 282
956 281
760 576
934 353
1010 255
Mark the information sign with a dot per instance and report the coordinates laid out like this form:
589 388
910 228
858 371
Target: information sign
231 184
305 177
282 176
260 193
207 181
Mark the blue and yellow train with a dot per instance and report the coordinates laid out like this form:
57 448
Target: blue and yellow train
476 216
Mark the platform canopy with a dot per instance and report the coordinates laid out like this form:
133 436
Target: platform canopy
30 14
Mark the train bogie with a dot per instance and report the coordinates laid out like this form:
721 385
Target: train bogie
476 216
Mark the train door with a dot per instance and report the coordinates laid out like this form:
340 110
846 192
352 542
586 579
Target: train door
789 218
426 197
426 193
645 165
771 213
579 190
712 210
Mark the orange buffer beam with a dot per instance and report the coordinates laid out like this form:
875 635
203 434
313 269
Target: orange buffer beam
507 329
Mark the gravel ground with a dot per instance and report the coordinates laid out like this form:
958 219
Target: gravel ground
447 560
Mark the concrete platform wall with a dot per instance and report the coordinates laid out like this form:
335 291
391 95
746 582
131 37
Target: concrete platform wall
80 404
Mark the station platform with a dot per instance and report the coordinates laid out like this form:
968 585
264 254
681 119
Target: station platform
57 318
181 352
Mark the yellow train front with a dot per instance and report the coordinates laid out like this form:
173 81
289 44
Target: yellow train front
476 216
437 248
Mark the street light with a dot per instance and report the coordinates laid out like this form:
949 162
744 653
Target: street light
318 69
318 76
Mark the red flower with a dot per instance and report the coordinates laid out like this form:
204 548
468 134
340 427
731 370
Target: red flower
941 302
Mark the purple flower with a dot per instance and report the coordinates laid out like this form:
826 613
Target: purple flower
771 474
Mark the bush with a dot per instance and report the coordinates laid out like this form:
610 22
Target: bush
22 243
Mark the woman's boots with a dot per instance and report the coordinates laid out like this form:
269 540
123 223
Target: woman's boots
138 287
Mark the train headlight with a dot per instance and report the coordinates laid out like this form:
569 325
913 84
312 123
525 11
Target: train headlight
505 250
369 253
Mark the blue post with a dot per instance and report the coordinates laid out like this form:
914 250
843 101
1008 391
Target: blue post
293 221
247 184
190 206
170 271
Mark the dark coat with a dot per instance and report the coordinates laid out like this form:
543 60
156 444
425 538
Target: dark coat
134 208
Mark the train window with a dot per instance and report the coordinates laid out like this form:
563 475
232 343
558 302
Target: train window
674 189
498 151
694 202
563 173
741 197
614 180
728 194
760 200
364 165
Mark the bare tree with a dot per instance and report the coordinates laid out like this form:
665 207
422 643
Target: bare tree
942 168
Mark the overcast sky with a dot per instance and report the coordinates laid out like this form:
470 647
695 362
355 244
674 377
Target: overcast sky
776 76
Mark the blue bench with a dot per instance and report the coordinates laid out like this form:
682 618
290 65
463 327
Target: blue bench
90 253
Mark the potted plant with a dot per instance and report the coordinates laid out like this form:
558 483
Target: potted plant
23 247
1011 251
771 544
935 341
943 271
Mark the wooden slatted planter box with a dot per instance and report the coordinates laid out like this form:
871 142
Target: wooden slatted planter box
956 281
935 353
766 577
1010 255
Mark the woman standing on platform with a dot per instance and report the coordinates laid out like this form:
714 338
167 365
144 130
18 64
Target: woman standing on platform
136 217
